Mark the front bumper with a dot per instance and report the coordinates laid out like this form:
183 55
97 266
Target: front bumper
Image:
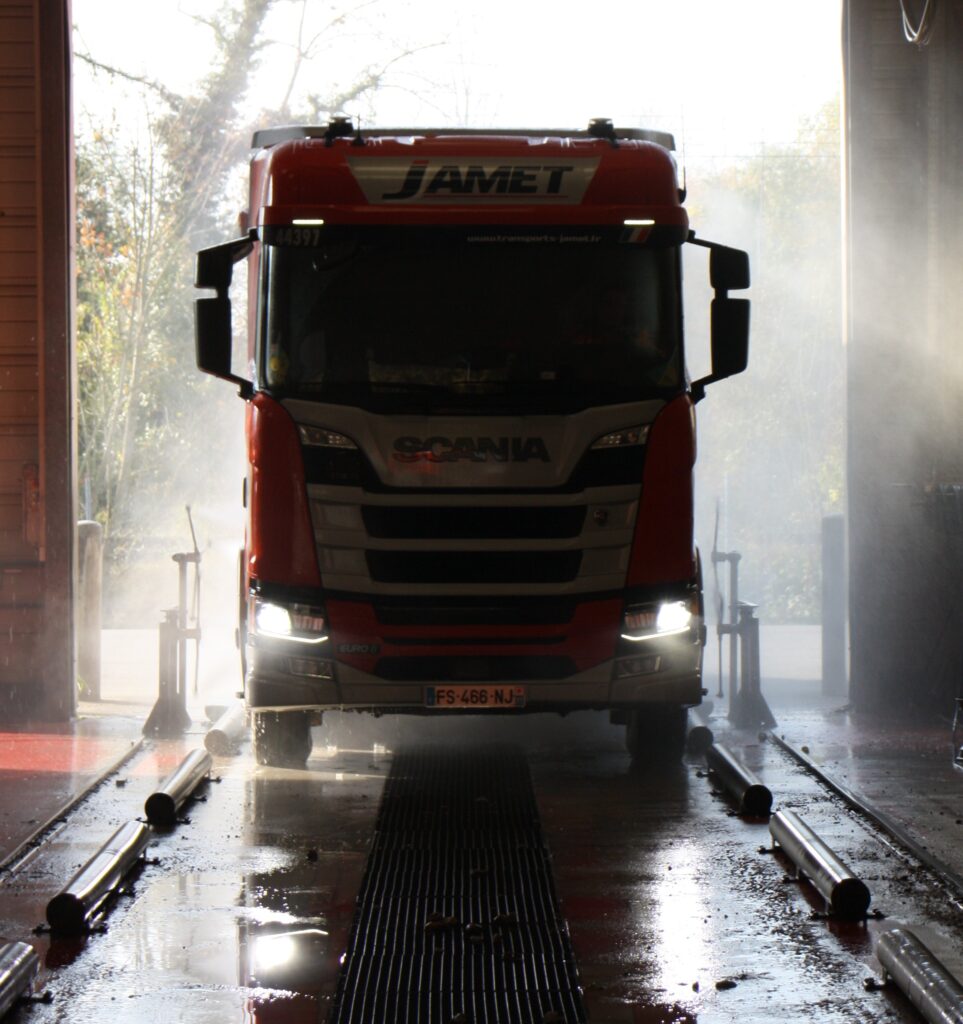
669 671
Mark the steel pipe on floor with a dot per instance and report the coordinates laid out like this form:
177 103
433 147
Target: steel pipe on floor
698 737
927 984
19 965
69 912
846 895
754 798
163 805
225 736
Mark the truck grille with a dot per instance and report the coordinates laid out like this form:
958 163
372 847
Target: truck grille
483 523
473 566
461 669
473 611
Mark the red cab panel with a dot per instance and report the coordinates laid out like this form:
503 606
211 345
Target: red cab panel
282 548
662 551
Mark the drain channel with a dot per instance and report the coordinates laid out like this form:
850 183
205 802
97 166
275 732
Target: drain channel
457 918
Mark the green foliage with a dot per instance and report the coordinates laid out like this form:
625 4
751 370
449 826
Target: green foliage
144 414
772 440
154 433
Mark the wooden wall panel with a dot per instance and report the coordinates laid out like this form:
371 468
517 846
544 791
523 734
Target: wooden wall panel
37 506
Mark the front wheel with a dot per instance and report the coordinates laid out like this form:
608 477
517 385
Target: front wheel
281 739
656 733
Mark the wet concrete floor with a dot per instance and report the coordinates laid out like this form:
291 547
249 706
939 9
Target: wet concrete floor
242 913
43 768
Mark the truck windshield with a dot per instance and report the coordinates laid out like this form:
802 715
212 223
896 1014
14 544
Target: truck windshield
459 324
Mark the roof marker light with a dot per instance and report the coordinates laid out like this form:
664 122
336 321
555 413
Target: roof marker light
308 222
629 223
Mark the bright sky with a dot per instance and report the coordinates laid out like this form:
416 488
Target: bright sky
725 77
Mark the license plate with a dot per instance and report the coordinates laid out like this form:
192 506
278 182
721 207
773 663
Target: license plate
477 697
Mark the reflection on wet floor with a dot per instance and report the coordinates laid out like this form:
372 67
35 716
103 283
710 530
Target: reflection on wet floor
674 914
44 767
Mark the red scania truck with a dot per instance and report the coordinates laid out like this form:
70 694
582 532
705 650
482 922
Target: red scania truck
470 428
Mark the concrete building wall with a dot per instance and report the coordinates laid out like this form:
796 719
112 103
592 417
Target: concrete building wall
904 126
37 501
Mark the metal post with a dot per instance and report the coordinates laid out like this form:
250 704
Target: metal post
747 707
184 633
169 715
731 627
181 561
733 558
834 606
90 556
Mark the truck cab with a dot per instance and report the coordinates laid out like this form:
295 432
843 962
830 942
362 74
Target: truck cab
471 431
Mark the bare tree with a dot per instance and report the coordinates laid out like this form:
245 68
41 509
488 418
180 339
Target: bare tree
144 206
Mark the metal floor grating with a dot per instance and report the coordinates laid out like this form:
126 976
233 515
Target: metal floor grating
457 918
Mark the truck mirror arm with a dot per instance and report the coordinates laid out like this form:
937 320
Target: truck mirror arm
214 266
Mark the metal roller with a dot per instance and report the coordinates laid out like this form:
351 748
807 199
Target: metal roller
754 798
70 910
225 736
698 739
162 806
846 895
19 965
927 984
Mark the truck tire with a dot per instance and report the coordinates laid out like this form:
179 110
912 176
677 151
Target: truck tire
656 734
281 739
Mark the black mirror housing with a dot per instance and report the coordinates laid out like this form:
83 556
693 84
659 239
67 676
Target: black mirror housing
730 337
730 342
213 341
212 336
728 269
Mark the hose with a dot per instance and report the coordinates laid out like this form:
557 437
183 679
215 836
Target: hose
920 33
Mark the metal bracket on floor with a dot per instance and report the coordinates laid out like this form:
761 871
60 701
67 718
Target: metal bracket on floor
169 716
733 558
747 706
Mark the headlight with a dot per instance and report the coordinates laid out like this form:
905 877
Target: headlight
271 619
297 622
673 617
669 618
